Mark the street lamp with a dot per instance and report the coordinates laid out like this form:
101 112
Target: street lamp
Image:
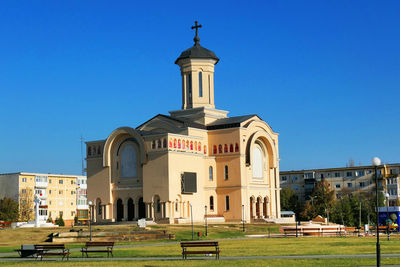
376 162
191 218
90 219
387 215
205 216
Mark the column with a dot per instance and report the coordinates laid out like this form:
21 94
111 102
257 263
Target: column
261 209
253 204
162 209
136 203
125 205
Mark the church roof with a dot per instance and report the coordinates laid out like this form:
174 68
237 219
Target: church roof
229 122
197 51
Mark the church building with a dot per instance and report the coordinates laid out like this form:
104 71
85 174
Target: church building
196 161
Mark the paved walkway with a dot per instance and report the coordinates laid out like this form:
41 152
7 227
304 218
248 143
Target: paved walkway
292 257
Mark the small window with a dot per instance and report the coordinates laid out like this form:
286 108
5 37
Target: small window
153 144
349 174
219 148
72 203
23 191
283 178
72 182
200 84
211 203
349 185
60 192
159 144
337 185
225 148
236 147
231 148
24 180
226 203
72 192
226 172
60 181
158 205
337 174
164 143
176 205
49 181
215 149
322 175
49 192
210 173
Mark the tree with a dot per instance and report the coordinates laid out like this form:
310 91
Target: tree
60 221
288 199
308 212
8 210
323 198
26 207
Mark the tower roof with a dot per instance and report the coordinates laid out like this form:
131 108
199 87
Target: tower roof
197 51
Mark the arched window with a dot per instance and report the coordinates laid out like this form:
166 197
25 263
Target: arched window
195 145
258 160
170 143
176 205
231 148
99 208
210 173
183 144
199 147
164 143
205 149
226 203
187 144
219 148
158 206
236 147
215 149
191 145
89 151
174 143
159 143
211 203
153 144
129 161
200 84
179 143
226 174
226 148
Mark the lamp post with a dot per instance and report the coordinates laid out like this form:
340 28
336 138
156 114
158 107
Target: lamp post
387 215
205 216
191 218
376 162
244 229
90 219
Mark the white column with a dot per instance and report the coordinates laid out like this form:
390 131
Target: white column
261 209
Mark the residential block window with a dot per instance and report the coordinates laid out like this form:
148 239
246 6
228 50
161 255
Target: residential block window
362 184
24 180
337 174
294 178
349 185
210 173
60 181
337 185
72 182
60 192
283 178
349 174
23 191
211 203
226 203
226 172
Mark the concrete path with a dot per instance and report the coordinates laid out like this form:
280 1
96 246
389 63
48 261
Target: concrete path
292 257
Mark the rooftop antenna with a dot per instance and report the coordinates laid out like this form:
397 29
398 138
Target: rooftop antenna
83 165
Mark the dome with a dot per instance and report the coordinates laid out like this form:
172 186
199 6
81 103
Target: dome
197 51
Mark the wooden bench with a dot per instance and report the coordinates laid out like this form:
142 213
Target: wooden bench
51 250
200 244
106 247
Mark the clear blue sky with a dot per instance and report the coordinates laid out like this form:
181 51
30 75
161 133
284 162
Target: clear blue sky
324 74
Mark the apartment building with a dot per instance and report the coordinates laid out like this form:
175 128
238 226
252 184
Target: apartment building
59 194
344 180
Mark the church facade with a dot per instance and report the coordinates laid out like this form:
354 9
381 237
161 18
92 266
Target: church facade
195 162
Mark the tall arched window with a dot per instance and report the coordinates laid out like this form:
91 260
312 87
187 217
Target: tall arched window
236 147
200 84
210 173
225 148
159 143
226 174
179 143
153 144
258 162
231 148
99 208
211 203
219 148
215 149
129 161
164 143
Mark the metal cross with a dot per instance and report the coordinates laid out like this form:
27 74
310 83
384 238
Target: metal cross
196 38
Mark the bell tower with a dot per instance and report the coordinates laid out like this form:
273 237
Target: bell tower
197 71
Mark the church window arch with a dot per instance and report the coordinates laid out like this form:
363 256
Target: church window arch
211 203
225 148
226 172
191 145
174 143
159 143
210 173
89 151
236 147
195 145
179 143
199 147
190 87
200 84
99 210
170 143
153 144
215 149
231 148
258 161
129 160
158 205
219 148
176 205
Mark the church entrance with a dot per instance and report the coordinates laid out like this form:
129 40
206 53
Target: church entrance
120 210
142 209
131 209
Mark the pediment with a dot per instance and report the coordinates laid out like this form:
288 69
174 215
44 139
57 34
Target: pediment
161 124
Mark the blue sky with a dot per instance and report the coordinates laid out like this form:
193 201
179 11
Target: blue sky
324 74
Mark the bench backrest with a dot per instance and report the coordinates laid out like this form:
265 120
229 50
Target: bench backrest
99 244
200 244
50 246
